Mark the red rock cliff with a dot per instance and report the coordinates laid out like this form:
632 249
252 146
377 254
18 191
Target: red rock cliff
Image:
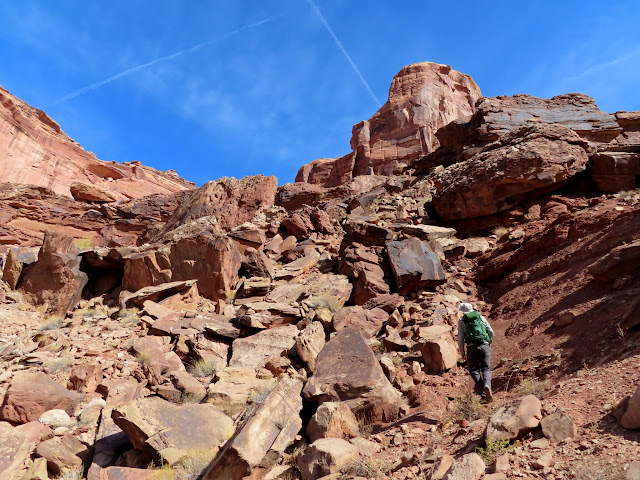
34 150
422 98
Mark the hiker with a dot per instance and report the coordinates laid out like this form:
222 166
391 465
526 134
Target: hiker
475 332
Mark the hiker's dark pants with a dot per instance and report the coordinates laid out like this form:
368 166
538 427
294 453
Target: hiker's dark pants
479 364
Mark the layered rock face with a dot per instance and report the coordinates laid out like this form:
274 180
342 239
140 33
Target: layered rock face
517 148
231 201
34 150
27 211
422 98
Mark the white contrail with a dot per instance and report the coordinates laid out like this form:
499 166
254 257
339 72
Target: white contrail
610 63
341 47
137 68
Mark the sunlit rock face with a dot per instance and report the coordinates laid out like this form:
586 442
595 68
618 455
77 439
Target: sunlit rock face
422 98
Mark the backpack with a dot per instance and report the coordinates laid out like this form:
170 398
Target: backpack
475 332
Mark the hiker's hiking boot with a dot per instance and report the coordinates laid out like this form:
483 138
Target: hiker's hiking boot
488 396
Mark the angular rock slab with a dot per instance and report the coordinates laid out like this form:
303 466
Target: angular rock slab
533 159
111 441
88 193
438 349
31 394
256 350
558 427
235 387
514 419
64 453
333 420
232 202
167 431
414 265
264 437
15 450
367 322
310 343
467 467
348 371
198 253
326 456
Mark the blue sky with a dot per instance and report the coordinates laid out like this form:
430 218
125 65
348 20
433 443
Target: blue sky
237 87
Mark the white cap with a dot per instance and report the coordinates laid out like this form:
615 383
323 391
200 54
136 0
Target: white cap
465 308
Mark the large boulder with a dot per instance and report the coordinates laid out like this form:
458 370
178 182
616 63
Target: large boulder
528 161
326 456
55 278
438 349
166 431
232 202
558 426
514 419
631 417
204 255
302 223
422 98
63 454
31 394
348 371
264 437
414 265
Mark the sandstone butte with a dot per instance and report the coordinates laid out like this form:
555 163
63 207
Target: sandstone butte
243 330
422 98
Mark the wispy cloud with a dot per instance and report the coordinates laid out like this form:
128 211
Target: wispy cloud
317 11
137 68
607 64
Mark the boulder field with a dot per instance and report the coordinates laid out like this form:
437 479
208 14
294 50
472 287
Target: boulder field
245 330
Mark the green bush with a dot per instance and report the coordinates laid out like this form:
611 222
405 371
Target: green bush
493 449
533 386
468 408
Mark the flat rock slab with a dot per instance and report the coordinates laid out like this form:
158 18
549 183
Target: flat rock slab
256 350
156 293
64 453
414 265
167 431
265 436
347 370
467 467
558 427
15 450
367 322
438 349
514 419
325 456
